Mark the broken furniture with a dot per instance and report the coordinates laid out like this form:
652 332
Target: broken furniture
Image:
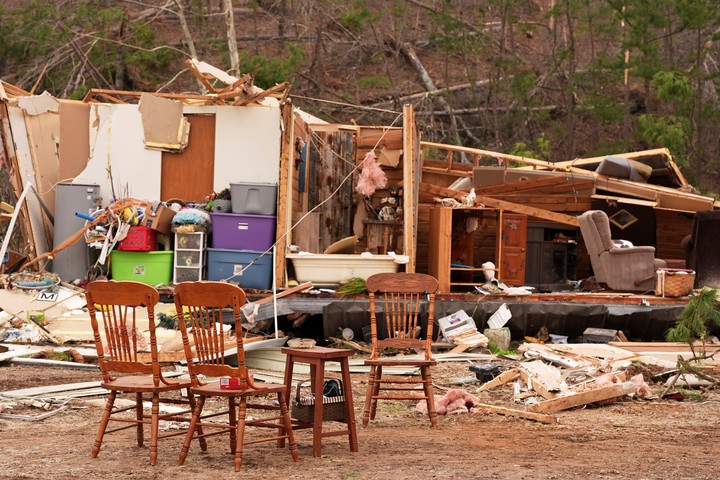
551 256
316 357
629 269
455 253
200 307
701 248
396 322
113 306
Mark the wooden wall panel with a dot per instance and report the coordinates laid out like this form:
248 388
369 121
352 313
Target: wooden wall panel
188 175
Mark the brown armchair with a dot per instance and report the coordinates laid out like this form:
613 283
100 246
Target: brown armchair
629 269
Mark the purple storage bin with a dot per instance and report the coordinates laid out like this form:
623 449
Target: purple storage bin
234 231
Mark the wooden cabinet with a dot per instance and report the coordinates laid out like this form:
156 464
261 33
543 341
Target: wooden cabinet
461 240
189 257
551 256
512 248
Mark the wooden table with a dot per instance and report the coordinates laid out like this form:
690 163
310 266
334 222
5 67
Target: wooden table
316 358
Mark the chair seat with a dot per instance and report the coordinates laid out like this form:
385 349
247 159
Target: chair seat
213 389
142 383
400 362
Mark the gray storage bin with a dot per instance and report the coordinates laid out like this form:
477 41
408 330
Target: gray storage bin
254 198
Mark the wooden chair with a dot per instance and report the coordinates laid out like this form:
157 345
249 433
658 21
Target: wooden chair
125 365
200 308
399 295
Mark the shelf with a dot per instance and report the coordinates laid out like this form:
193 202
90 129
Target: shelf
189 262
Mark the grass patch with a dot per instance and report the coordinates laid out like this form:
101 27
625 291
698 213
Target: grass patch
495 350
691 395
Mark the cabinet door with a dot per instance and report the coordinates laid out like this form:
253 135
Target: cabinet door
512 248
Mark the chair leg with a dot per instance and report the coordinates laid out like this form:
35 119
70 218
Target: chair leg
197 412
139 415
288 430
232 418
103 423
242 411
368 397
376 392
154 426
429 394
281 430
198 428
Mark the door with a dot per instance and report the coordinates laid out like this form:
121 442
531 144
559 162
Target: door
512 248
189 175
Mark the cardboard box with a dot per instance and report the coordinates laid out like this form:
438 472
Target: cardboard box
159 220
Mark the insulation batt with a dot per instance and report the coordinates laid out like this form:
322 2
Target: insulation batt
372 176
643 389
454 401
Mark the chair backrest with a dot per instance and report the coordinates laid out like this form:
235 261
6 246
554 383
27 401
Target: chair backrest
201 307
595 229
400 295
113 306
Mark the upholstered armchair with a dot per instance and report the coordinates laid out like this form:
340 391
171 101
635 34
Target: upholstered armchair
628 269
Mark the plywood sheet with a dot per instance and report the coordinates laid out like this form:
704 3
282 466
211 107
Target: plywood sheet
74 147
27 174
247 145
189 175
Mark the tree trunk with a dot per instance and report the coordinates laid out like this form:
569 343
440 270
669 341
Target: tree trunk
232 39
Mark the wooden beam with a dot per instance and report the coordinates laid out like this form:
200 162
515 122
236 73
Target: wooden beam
522 185
665 196
6 207
557 404
502 205
285 191
410 181
627 201
538 417
542 378
529 211
502 379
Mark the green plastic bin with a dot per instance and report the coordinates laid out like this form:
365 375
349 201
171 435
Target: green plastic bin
153 268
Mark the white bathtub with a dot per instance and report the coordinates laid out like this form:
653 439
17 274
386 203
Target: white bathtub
333 269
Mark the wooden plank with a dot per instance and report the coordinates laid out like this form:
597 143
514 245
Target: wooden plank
583 398
666 196
18 352
628 201
544 379
285 192
522 185
503 205
644 347
502 379
410 184
297 288
6 207
529 211
538 417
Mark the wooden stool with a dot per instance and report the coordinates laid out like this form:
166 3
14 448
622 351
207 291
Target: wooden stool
316 358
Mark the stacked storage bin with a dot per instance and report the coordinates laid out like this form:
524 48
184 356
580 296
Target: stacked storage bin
137 258
240 238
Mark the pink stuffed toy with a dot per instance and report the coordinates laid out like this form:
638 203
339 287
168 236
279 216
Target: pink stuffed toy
454 401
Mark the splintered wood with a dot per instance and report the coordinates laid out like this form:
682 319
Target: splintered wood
551 381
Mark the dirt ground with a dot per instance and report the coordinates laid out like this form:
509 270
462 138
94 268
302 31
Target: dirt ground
641 439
